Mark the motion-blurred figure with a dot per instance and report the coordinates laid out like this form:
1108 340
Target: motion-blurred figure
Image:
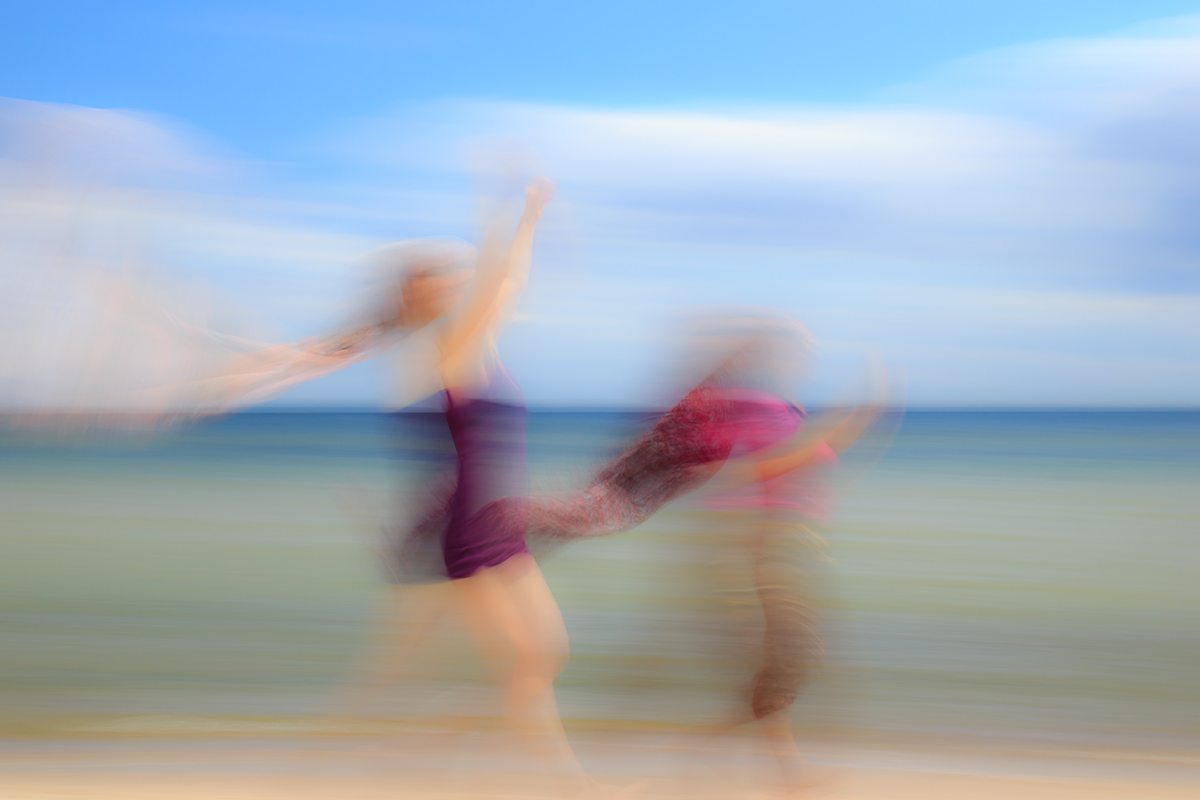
450 312
761 524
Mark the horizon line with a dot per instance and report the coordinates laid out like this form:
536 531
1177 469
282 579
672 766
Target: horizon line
636 409
575 409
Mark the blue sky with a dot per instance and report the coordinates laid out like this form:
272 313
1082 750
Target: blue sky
258 75
998 196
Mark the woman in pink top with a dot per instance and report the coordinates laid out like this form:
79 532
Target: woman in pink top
764 512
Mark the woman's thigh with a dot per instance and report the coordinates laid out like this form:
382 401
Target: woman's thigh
535 603
511 611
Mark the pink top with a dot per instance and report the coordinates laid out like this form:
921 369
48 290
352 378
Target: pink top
760 420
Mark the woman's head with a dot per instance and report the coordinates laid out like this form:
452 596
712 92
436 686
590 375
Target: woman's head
424 280
753 347
429 291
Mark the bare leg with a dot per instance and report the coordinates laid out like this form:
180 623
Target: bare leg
407 614
797 773
782 556
515 619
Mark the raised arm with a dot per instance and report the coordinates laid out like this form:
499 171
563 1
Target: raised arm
500 276
844 433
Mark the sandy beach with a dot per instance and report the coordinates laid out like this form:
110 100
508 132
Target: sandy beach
468 767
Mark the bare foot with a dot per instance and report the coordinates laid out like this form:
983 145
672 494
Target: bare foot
804 777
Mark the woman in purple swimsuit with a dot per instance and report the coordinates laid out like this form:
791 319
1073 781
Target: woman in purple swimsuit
448 317
498 584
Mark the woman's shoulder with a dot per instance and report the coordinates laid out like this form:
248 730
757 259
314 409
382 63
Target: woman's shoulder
486 379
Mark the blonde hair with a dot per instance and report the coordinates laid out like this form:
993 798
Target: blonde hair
395 265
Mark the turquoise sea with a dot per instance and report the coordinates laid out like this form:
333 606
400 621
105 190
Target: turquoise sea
1016 578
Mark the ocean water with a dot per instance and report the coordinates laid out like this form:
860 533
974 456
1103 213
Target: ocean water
1025 579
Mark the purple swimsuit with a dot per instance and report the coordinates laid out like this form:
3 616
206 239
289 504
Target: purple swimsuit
489 439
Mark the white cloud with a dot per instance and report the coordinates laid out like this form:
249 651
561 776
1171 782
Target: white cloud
1071 158
1018 226
122 239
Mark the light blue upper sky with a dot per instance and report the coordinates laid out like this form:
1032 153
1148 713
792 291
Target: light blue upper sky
999 195
260 74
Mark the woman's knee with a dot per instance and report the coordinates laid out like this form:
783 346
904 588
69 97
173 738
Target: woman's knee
543 656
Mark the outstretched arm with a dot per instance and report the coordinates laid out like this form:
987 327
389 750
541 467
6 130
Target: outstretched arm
259 375
501 275
838 431
844 433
